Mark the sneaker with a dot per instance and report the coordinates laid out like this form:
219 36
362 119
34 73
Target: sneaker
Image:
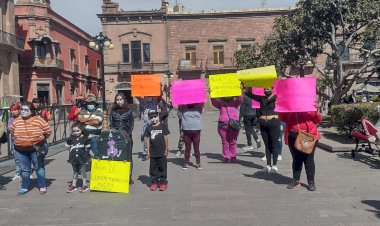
294 184
198 166
274 169
185 167
71 189
43 191
31 176
16 177
153 187
248 148
163 187
84 188
143 158
311 186
279 158
266 169
264 158
225 160
258 144
22 191
178 154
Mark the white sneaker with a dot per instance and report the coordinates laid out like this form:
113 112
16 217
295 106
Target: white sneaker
264 158
16 177
266 169
274 169
248 148
279 158
178 154
31 176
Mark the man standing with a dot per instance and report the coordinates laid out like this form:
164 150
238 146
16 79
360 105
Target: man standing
92 117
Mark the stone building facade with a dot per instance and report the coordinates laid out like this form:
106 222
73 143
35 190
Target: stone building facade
180 45
10 46
57 64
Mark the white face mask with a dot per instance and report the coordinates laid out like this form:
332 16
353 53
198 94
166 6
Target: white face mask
25 112
154 120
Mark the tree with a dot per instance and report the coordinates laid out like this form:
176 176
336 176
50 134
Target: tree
329 28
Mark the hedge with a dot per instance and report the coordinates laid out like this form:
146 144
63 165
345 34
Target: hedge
345 117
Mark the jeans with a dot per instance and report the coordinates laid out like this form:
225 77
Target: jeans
270 131
229 141
94 146
192 137
13 152
249 126
279 146
25 159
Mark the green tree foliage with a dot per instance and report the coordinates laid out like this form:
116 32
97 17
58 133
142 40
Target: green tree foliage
324 27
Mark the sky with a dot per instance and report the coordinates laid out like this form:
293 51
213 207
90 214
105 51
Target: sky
82 13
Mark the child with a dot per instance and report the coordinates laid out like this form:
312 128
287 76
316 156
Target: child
79 146
157 151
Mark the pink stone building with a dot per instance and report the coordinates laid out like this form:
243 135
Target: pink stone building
57 64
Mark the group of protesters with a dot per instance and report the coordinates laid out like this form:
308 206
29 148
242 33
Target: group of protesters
29 129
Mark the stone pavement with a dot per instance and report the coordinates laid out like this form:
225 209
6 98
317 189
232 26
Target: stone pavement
220 194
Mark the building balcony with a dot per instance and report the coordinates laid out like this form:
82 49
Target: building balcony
41 62
142 67
188 65
220 64
10 40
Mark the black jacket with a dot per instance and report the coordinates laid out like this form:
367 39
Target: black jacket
122 120
246 108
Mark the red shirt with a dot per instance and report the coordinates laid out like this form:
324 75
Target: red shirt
73 115
307 121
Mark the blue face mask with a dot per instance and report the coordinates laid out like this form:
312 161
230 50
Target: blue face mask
90 107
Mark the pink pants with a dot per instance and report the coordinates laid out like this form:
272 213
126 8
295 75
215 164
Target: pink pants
229 139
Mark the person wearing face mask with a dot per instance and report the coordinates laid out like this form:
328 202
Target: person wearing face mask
269 126
228 108
92 118
29 130
121 118
38 110
76 109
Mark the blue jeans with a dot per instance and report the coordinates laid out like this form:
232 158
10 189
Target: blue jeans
94 146
25 159
13 152
279 146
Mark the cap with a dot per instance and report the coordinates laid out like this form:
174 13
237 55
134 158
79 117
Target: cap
14 107
36 100
91 98
152 112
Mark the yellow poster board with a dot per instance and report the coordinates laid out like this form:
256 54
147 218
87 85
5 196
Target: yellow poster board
224 85
110 176
262 77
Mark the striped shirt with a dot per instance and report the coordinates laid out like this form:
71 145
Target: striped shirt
93 130
30 131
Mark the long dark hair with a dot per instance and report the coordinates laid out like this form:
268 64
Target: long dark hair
124 107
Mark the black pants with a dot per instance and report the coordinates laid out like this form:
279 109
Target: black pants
249 126
158 170
299 158
270 131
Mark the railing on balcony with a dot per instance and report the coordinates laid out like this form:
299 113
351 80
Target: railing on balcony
148 67
75 68
352 57
189 65
41 62
11 40
89 72
226 63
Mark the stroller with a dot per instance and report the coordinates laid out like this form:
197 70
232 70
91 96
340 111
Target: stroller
366 136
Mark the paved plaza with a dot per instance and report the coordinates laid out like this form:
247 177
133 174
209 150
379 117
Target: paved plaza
220 194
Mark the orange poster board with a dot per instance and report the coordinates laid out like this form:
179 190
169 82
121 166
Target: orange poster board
146 85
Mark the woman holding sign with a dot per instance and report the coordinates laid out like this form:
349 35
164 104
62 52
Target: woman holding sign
269 126
228 109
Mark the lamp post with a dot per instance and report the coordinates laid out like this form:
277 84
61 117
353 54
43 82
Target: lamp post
99 43
169 76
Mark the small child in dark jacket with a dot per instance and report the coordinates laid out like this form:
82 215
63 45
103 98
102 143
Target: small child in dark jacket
157 151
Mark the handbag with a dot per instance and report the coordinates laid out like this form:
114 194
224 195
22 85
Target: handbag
232 123
39 147
305 141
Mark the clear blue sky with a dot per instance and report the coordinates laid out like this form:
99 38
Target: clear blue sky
83 12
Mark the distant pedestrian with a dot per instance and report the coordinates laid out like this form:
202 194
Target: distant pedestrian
228 109
295 122
76 110
192 126
78 156
157 151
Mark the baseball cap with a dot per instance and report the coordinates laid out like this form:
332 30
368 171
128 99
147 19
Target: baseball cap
91 98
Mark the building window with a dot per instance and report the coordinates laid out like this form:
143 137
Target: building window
125 53
72 56
346 54
146 52
245 46
218 54
191 55
86 62
136 54
41 51
43 93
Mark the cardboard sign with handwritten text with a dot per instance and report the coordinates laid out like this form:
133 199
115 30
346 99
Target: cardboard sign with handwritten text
110 176
224 85
145 85
188 92
262 77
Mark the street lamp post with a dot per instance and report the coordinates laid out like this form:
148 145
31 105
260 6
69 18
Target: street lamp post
169 76
99 43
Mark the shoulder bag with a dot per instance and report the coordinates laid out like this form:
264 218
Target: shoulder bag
305 141
232 123
40 146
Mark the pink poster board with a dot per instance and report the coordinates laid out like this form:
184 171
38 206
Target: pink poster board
188 92
258 92
296 94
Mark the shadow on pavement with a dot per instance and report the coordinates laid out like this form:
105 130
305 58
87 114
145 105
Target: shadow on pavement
275 178
256 154
144 180
5 180
177 161
375 204
367 159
